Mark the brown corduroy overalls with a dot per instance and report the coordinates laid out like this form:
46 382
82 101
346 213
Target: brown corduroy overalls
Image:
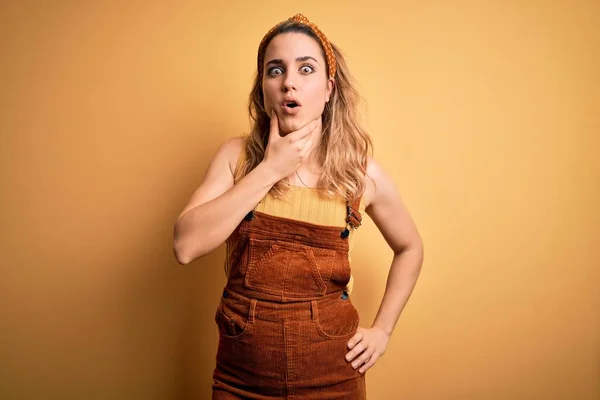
284 318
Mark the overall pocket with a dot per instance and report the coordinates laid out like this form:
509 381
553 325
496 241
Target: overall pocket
287 268
231 323
337 320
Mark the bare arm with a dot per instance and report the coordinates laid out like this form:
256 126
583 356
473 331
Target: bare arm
390 215
217 206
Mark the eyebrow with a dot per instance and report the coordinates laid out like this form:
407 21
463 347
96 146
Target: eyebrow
279 61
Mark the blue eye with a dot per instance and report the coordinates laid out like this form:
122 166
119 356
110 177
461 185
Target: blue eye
275 71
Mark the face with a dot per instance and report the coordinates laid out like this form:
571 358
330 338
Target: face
295 80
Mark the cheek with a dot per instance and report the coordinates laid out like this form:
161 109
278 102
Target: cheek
317 98
268 92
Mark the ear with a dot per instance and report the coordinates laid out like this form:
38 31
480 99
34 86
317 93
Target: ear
330 87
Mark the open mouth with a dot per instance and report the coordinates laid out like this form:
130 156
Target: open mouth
292 104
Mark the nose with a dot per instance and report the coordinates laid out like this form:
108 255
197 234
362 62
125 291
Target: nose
289 82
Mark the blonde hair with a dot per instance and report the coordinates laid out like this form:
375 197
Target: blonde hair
345 145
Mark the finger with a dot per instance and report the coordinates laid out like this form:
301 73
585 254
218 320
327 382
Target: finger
274 127
302 142
359 348
358 336
369 363
364 357
306 147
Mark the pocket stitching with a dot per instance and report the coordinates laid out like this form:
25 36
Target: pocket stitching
314 269
254 264
324 272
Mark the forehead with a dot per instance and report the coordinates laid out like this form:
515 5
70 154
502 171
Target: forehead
289 46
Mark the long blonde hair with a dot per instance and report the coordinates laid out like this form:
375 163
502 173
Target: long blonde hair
345 145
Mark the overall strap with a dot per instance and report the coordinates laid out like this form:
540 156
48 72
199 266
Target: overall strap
353 217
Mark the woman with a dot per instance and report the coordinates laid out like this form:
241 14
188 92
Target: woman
286 200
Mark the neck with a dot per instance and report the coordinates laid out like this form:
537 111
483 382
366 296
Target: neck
316 136
311 169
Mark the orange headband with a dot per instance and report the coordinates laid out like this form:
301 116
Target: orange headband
322 38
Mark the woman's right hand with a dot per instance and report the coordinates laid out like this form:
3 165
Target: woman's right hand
284 155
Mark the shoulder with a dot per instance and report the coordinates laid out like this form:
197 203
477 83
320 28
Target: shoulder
374 170
377 181
388 211
231 149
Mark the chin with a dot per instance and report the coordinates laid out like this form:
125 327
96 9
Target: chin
289 125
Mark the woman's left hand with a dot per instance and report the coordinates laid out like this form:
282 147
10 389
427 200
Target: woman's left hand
368 344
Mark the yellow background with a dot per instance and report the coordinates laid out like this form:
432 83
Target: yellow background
486 114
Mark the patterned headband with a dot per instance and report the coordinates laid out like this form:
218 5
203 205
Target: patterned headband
322 38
